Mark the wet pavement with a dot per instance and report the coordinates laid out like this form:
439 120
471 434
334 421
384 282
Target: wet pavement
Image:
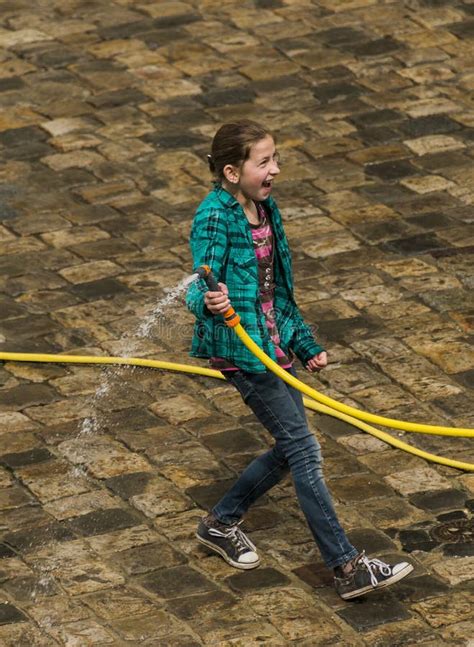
108 111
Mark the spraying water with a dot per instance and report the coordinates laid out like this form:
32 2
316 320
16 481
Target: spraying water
146 326
129 346
91 424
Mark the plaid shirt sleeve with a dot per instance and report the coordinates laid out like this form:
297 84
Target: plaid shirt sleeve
303 342
208 247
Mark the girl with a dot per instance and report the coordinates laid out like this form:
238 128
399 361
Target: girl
238 232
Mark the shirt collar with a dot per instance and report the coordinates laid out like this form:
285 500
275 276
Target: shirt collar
225 197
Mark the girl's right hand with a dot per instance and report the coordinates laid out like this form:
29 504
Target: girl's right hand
217 302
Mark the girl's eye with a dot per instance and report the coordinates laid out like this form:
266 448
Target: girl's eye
275 158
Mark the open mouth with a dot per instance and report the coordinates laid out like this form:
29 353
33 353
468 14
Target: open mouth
267 184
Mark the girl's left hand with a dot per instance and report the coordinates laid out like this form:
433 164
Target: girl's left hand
317 362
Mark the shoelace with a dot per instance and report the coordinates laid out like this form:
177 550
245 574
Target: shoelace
236 536
373 565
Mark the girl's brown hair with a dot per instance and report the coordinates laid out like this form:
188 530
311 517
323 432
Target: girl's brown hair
232 144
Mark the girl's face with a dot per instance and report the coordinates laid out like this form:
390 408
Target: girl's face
254 179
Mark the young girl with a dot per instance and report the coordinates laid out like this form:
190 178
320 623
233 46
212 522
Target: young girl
238 232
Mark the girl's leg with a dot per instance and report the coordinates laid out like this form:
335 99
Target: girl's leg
260 476
280 411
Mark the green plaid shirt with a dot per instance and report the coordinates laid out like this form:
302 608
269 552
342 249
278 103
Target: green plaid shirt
221 238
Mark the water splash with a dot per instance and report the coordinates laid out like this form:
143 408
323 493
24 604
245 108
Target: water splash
129 346
173 295
46 580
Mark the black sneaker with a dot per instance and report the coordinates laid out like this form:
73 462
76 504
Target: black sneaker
230 542
368 575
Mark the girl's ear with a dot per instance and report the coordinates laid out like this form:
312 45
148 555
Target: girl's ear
231 173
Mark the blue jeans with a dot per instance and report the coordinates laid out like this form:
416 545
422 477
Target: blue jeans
279 407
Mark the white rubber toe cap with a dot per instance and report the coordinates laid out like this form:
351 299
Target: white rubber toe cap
402 566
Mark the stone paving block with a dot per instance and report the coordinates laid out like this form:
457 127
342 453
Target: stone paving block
103 521
6 478
362 444
21 459
232 442
153 627
257 579
427 183
117 603
461 356
417 480
9 613
75 506
433 144
143 559
208 495
57 610
179 409
12 566
467 482
373 541
189 464
372 614
74 634
62 411
420 587
24 633
359 488
392 512
25 328
31 588
119 540
14 497
439 499
103 458
352 378
201 606
458 631
405 632
159 498
32 537
127 485
445 610
295 614
86 272
53 480
250 633
455 570
86 575
70 236
176 582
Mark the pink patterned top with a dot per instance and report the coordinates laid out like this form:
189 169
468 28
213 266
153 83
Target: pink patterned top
262 236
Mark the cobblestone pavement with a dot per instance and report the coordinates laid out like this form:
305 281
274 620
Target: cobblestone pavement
108 111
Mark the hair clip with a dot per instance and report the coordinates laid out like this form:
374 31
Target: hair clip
210 161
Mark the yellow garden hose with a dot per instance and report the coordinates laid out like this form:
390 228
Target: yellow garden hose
317 402
208 372
344 408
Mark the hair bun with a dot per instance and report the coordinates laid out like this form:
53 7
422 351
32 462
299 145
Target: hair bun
210 161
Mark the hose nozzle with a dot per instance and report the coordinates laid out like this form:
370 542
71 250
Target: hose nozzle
204 272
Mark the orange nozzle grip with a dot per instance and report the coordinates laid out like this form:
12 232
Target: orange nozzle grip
231 318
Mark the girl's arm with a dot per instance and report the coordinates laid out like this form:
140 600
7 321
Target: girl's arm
303 342
208 244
